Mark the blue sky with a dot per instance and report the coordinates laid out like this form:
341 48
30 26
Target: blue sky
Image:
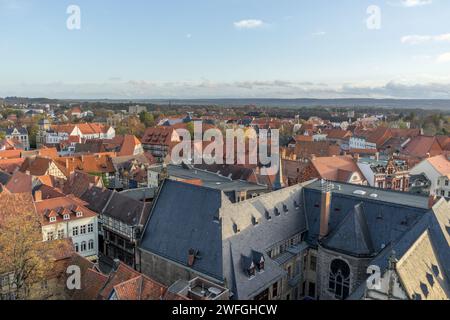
225 48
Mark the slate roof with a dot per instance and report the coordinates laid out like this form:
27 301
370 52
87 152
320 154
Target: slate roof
97 198
212 180
352 235
21 130
388 216
225 235
189 217
436 223
4 177
125 209
176 226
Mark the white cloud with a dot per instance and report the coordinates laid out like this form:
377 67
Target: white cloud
142 89
419 39
319 33
249 24
443 58
415 3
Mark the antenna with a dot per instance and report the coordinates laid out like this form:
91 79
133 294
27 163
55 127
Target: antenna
326 186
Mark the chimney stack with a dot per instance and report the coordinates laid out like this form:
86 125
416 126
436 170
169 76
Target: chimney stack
38 196
325 211
191 257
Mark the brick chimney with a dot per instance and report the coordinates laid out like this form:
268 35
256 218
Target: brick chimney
325 213
191 257
431 201
38 196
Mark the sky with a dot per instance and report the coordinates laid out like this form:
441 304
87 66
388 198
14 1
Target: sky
144 49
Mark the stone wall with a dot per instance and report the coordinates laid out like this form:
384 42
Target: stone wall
358 271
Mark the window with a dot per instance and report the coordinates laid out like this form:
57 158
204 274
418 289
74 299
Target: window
4 281
79 214
52 219
289 271
90 227
75 231
312 290
66 217
263 296
61 234
77 248
83 246
252 271
313 263
275 289
50 236
83 230
339 283
91 245
446 183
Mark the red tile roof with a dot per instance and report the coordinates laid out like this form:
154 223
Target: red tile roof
336 168
158 136
129 144
441 164
422 147
10 154
11 165
59 206
20 183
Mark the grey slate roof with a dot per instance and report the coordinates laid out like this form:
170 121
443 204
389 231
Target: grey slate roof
97 198
437 221
261 238
352 235
186 217
21 130
4 178
213 180
388 216
227 234
127 210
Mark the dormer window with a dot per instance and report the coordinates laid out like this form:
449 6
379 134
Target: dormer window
285 208
261 265
268 217
254 221
66 217
276 212
252 271
52 219
296 205
79 214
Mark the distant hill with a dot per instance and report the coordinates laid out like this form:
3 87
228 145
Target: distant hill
427 104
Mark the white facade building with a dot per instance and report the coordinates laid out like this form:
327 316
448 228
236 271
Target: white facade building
437 170
67 217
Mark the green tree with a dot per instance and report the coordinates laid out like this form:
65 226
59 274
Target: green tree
147 119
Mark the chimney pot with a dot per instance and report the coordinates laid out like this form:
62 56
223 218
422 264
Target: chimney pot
325 214
38 196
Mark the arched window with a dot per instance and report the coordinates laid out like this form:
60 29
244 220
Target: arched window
83 246
339 279
77 248
91 244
